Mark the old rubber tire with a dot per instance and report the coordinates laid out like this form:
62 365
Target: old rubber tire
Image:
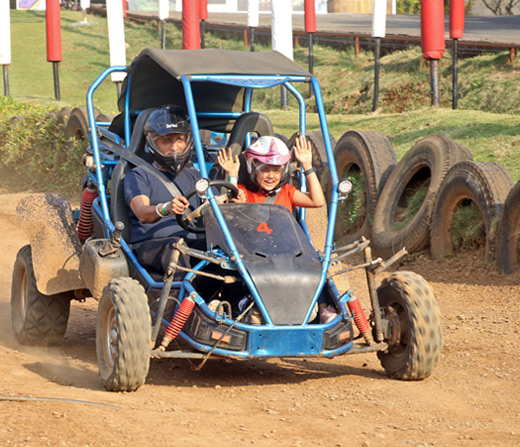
368 158
507 233
123 335
37 319
415 351
483 183
62 118
77 128
104 117
282 137
424 166
319 154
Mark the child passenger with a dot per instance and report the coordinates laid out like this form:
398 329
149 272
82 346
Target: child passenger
267 162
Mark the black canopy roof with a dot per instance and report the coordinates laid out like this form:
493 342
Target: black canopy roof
214 61
156 78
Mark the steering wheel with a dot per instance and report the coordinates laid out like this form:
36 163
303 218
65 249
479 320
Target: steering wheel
192 221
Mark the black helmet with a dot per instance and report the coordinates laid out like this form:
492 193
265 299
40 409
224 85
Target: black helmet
169 119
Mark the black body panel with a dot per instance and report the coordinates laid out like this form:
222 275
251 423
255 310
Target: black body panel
277 254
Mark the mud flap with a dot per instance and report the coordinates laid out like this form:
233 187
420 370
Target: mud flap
47 220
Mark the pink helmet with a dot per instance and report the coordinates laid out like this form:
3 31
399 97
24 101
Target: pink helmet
267 150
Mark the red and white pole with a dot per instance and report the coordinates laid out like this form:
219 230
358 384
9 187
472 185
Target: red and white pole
456 32
84 5
190 25
116 40
164 13
252 21
54 54
432 41
203 16
378 33
310 29
281 35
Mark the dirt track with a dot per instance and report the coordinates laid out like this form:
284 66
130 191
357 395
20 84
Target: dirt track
472 399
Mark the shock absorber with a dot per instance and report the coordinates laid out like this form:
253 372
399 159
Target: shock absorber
178 321
86 223
359 318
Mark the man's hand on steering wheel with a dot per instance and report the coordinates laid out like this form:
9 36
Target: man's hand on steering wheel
188 222
241 198
178 205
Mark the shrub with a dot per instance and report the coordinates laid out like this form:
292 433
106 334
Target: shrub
33 152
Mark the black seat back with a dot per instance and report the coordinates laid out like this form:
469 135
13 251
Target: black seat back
137 141
248 122
119 209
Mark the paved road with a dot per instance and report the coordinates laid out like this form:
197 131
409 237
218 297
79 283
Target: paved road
500 30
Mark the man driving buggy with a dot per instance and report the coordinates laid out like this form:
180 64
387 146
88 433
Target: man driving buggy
154 226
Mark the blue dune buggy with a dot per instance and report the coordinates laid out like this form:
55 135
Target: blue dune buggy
259 257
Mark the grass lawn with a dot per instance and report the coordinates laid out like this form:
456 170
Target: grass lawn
487 120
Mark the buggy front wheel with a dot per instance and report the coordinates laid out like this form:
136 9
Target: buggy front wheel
415 343
123 335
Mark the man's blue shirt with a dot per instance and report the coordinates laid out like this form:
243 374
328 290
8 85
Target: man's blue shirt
140 182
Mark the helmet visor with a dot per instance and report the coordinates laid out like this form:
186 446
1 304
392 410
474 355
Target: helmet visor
265 168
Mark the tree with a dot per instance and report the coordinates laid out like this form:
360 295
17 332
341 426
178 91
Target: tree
501 7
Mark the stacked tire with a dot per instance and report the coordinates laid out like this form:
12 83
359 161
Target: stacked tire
319 154
424 167
77 126
482 184
436 179
367 158
316 218
74 123
508 231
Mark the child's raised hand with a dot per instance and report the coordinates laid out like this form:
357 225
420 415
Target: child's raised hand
228 162
303 152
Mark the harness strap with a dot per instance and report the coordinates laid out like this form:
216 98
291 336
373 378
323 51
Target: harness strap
271 198
138 161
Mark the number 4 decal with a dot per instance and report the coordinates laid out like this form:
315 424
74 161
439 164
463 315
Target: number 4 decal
263 228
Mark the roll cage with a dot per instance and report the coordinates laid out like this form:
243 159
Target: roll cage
154 79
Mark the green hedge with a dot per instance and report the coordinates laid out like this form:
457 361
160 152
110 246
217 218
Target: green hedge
33 150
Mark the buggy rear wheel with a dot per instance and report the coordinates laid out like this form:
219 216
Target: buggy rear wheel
37 319
123 335
416 341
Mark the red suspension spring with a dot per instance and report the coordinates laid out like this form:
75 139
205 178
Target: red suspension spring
86 222
359 316
178 321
